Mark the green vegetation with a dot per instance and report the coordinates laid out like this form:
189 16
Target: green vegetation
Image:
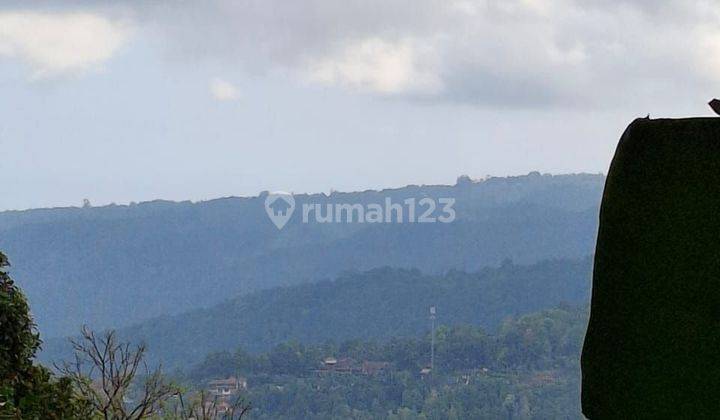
162 258
527 370
27 390
104 380
377 304
490 361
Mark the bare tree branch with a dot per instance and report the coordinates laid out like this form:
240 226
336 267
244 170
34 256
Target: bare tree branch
105 373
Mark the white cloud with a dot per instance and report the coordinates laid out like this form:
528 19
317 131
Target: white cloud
509 53
223 90
60 43
377 65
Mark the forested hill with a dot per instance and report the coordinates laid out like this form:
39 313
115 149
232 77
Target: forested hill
378 304
117 265
528 369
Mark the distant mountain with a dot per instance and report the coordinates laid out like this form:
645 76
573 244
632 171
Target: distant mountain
378 304
117 265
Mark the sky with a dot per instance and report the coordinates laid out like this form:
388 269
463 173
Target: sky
135 101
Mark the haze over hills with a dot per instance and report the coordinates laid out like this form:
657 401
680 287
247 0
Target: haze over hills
117 265
380 304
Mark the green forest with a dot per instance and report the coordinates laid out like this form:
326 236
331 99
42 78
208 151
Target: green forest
523 366
529 369
175 257
183 295
377 304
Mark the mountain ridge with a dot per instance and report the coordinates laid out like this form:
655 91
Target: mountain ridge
118 265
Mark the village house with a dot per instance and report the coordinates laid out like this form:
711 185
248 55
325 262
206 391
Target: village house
343 365
226 387
348 365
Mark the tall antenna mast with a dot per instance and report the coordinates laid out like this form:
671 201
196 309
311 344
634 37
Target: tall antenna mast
432 338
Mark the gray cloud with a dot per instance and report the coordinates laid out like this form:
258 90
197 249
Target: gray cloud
518 53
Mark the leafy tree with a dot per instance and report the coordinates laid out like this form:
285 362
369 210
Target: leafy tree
27 390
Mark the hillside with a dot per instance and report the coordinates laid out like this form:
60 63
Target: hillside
528 369
118 265
381 303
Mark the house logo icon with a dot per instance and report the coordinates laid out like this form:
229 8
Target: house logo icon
279 207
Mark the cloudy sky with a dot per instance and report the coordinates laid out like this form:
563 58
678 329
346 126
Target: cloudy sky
120 102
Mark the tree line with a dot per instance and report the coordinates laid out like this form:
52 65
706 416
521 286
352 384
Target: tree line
529 368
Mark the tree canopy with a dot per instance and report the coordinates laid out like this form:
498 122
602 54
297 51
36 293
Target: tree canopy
27 390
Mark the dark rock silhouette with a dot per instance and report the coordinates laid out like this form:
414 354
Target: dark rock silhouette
715 105
652 349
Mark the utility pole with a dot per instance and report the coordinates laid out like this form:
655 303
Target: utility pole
432 339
